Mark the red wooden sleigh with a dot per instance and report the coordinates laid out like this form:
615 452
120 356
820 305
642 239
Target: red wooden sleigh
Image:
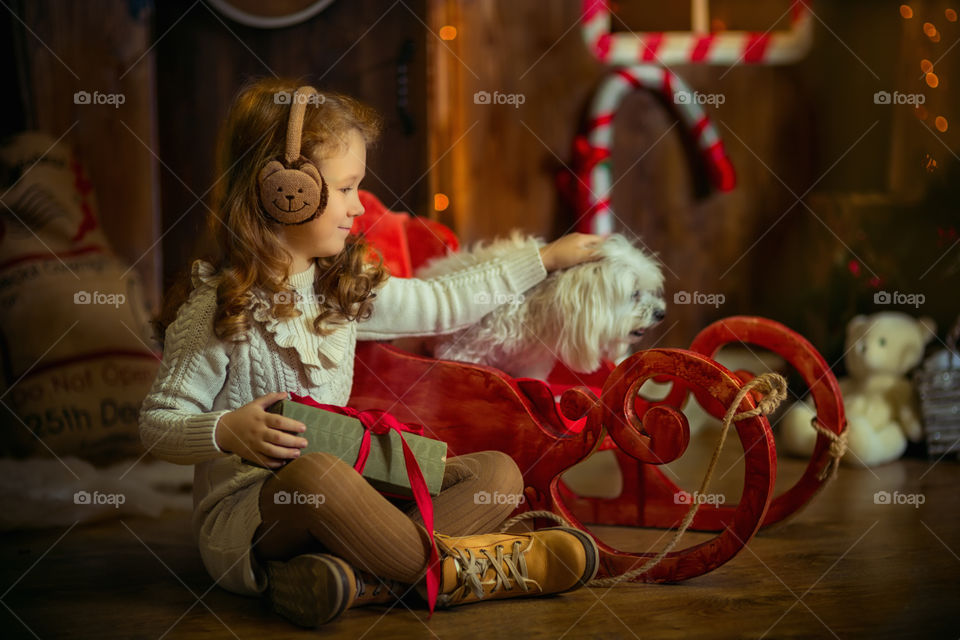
475 408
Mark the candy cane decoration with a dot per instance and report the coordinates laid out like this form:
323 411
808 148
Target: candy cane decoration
591 182
682 47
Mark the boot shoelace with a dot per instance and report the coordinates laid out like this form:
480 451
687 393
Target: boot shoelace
379 586
472 567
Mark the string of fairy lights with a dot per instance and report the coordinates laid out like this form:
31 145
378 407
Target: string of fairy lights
929 74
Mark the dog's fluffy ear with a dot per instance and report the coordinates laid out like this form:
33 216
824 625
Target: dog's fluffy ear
579 309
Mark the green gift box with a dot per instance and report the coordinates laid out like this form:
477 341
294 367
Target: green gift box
385 469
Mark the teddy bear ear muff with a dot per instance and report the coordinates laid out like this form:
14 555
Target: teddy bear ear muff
291 194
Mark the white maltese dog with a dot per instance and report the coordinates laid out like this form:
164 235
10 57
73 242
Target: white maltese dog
581 315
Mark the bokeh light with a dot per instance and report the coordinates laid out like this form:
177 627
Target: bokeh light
906 11
448 32
932 80
941 124
440 201
926 66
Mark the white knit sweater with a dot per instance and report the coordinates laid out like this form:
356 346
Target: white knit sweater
202 378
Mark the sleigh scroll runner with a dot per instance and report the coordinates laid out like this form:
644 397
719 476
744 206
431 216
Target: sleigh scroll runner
475 408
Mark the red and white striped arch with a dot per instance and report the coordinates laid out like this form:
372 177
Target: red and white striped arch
593 150
685 47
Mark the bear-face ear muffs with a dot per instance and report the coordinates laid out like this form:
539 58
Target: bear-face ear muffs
293 192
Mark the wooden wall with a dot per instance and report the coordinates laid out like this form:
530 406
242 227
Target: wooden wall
807 132
15 118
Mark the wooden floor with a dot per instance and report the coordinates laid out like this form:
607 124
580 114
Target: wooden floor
844 567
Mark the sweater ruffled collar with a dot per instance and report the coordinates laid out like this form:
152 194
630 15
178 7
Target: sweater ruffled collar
321 355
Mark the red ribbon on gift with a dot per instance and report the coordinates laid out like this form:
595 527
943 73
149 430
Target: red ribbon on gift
381 422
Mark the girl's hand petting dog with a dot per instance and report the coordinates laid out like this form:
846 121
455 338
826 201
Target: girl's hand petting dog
260 437
570 250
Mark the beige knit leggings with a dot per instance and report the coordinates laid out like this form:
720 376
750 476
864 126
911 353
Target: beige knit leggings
350 519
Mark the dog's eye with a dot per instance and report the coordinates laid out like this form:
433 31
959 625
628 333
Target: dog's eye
636 295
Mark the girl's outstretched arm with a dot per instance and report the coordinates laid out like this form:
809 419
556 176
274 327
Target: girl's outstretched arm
412 307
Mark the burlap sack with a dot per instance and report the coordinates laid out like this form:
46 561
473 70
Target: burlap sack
75 342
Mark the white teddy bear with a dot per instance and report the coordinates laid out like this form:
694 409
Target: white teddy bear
879 400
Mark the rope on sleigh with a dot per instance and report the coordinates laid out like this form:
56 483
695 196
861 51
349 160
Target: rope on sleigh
838 447
774 389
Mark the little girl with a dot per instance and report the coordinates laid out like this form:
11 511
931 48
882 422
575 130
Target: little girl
279 308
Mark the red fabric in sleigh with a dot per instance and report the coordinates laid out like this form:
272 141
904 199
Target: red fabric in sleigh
406 242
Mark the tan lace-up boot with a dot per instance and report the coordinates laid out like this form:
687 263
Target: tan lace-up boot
310 589
315 588
502 565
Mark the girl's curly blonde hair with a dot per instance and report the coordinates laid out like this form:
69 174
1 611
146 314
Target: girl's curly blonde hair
246 250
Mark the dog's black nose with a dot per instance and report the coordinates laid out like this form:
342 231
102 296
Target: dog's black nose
659 315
